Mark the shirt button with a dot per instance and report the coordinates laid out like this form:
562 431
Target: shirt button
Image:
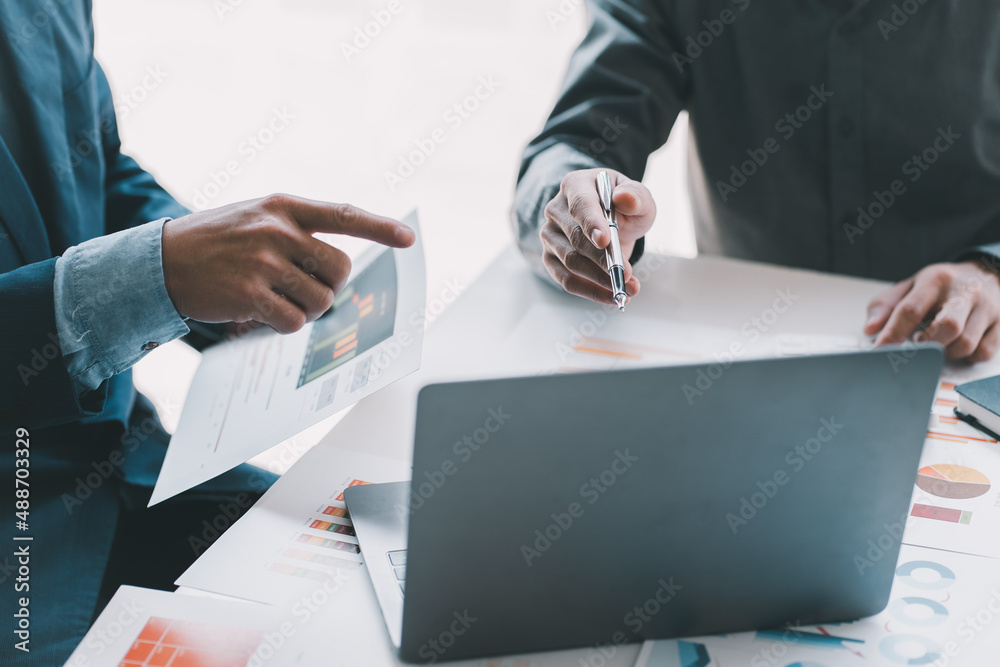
151 345
845 127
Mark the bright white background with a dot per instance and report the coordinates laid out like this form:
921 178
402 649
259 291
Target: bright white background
223 67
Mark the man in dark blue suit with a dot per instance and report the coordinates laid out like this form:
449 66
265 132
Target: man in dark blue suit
98 266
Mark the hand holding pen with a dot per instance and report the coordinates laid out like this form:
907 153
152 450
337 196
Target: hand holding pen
576 234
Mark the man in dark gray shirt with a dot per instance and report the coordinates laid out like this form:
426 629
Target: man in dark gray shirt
856 137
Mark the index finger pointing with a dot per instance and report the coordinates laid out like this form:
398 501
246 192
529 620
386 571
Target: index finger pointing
317 216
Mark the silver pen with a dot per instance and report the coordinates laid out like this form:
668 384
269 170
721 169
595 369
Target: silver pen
613 253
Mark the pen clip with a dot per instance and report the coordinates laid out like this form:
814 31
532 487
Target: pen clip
604 192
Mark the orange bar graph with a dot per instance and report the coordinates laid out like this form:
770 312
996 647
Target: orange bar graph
345 349
354 482
345 340
607 353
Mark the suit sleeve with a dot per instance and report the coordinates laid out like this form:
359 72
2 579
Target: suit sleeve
622 93
35 387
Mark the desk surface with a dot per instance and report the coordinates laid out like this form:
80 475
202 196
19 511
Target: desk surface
713 291
716 292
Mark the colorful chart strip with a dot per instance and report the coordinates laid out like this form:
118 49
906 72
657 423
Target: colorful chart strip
164 641
811 638
301 572
354 482
310 557
332 527
941 513
335 511
325 543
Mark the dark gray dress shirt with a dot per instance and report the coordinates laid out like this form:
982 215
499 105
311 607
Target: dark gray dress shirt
855 137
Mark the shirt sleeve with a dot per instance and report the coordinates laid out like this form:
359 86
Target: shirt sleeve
622 93
112 305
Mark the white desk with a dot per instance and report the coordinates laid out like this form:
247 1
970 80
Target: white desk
716 292
711 291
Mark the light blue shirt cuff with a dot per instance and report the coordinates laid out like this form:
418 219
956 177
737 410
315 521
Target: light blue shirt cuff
111 303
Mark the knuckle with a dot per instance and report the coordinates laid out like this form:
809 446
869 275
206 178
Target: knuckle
964 346
347 213
943 274
910 312
578 203
552 208
276 202
577 237
265 261
573 260
295 321
948 325
326 299
273 229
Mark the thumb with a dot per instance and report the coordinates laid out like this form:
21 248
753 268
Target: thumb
632 198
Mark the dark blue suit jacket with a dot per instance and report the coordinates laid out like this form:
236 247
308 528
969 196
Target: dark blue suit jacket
90 189
82 187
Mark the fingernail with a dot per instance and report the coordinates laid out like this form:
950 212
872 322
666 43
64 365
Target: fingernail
404 234
920 337
873 316
597 235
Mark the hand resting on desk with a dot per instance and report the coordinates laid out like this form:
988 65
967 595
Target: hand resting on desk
959 304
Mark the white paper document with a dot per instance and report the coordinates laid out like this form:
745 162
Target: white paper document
939 613
147 627
298 536
956 497
252 393
560 339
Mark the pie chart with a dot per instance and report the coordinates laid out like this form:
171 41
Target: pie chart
948 480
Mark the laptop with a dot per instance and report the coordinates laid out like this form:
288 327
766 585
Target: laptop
578 510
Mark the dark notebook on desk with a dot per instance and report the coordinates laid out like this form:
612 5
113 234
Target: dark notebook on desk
979 405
